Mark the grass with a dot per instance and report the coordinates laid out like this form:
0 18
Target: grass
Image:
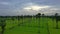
31 26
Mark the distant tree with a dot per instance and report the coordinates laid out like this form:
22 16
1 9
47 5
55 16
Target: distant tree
56 14
56 17
38 15
43 15
2 24
12 17
52 17
21 16
18 17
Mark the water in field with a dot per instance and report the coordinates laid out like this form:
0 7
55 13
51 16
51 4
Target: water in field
31 26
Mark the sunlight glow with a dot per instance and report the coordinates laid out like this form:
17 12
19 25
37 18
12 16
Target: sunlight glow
35 7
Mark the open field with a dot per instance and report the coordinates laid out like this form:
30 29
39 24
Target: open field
32 25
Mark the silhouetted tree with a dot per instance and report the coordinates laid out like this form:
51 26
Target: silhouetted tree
18 17
56 17
38 15
2 24
43 15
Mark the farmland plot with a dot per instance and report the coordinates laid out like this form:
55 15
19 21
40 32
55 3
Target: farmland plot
31 26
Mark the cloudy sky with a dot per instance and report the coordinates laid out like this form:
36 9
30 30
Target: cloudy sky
29 7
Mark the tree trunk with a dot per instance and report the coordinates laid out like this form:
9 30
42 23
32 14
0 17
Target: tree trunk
56 24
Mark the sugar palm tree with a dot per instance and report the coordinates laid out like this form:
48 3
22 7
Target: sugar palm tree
43 15
38 15
2 24
56 17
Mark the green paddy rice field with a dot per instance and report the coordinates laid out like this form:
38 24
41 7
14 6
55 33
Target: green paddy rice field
31 26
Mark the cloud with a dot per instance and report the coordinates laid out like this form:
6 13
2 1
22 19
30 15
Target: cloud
29 7
33 8
37 8
4 3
